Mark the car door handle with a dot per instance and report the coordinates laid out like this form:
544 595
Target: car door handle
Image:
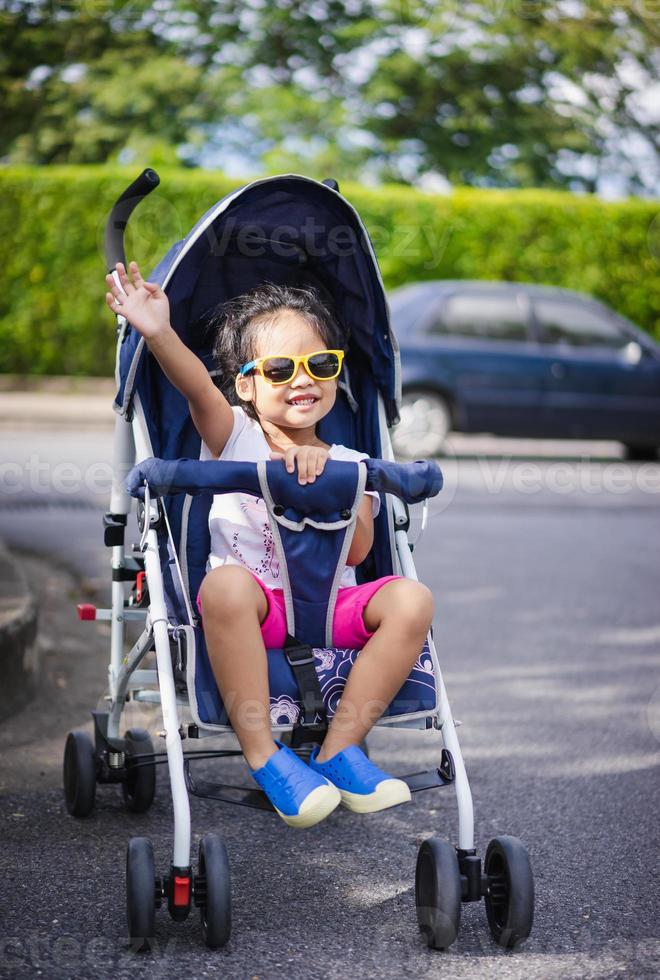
558 370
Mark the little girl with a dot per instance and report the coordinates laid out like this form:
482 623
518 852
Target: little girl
279 349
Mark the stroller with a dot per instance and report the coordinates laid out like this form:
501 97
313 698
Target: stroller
297 231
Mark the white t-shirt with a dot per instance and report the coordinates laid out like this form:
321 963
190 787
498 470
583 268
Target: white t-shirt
238 522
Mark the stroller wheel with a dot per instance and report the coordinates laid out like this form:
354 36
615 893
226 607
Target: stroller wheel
213 891
79 774
139 787
510 896
141 893
438 892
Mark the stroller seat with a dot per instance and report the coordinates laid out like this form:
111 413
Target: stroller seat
417 699
312 528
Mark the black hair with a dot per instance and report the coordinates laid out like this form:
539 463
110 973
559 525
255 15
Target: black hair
238 322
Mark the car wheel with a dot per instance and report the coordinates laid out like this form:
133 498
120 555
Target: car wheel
425 423
641 452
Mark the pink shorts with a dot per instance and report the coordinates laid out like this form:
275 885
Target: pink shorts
348 629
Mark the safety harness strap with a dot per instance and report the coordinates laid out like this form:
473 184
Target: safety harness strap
300 657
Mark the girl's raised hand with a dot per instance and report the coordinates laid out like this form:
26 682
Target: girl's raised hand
144 304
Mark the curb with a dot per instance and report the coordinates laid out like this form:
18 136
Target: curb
19 657
29 409
58 384
56 402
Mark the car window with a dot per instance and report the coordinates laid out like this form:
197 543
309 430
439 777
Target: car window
408 306
489 315
576 324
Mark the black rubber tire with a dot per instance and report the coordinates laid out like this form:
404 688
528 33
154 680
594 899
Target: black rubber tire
510 902
79 774
140 893
140 786
640 452
438 892
215 911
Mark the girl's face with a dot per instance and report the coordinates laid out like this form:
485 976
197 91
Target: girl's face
302 402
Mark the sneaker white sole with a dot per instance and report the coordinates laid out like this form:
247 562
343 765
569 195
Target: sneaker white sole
315 807
389 792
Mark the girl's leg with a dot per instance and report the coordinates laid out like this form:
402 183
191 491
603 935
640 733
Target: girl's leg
400 616
234 606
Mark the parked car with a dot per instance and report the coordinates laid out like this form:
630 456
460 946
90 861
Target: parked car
519 360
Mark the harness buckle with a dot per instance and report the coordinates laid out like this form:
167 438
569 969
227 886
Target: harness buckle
299 656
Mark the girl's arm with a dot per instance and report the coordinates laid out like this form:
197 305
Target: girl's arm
363 537
146 307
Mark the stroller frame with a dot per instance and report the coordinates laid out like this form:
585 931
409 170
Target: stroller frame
445 876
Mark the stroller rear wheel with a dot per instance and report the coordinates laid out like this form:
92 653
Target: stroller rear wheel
141 892
79 774
213 891
510 896
438 892
139 787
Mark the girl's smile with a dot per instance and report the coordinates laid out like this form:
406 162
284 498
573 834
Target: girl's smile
303 401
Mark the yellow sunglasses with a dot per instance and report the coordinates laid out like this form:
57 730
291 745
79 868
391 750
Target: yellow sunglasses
322 365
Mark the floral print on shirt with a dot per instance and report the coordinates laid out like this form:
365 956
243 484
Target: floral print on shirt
254 509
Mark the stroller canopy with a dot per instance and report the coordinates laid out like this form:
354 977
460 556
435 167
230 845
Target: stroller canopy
288 230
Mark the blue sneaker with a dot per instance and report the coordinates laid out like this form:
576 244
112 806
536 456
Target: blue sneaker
300 796
363 786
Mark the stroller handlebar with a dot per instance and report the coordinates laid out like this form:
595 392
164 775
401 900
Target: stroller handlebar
412 482
121 212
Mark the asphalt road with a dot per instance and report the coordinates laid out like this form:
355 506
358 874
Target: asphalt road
544 563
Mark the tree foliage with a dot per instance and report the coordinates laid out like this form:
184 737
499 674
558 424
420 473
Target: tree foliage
492 93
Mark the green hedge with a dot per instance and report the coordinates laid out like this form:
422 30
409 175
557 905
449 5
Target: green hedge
53 318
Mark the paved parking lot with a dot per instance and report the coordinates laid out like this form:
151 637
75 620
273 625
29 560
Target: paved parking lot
544 566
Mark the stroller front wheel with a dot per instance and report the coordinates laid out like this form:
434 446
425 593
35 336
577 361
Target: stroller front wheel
213 891
510 895
141 893
79 774
438 892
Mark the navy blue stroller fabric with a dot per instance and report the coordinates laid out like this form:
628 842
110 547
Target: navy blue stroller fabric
417 696
289 230
306 520
309 524
412 482
294 231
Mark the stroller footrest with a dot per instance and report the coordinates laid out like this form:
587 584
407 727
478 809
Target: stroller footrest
225 793
432 778
252 797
